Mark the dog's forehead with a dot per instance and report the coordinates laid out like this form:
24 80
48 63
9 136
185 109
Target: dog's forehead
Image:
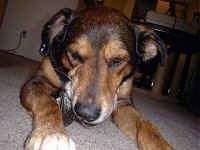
95 29
87 47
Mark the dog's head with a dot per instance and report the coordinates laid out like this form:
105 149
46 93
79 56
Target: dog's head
99 48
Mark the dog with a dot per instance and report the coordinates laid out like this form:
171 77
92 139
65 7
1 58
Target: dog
87 72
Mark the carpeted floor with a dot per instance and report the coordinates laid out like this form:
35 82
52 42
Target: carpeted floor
179 127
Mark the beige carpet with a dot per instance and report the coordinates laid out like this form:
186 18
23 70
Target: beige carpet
179 127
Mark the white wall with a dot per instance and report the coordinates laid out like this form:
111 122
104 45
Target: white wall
28 15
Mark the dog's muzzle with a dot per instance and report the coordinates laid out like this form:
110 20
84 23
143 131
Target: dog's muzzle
92 114
85 113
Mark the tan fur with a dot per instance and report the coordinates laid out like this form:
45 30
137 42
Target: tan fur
151 50
47 70
81 46
126 118
115 48
137 128
147 133
126 89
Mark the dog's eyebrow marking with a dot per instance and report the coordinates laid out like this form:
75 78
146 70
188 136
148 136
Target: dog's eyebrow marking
81 46
115 48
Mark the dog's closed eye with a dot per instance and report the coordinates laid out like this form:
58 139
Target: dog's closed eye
75 58
115 62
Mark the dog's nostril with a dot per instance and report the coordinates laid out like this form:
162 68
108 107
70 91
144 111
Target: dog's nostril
88 112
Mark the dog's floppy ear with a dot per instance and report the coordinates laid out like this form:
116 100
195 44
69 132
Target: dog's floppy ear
54 32
149 45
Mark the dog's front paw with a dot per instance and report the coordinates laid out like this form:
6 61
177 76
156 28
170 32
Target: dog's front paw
54 141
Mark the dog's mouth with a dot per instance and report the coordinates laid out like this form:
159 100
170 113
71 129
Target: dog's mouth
104 114
83 122
86 123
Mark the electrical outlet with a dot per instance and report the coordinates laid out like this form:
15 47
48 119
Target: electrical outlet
24 34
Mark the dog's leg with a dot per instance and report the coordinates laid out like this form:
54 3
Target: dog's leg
48 130
134 126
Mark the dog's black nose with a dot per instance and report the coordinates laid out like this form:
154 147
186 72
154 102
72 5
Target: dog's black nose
87 112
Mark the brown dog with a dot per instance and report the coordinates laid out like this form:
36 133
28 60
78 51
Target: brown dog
91 57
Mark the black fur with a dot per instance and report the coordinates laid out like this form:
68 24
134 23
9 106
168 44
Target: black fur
54 48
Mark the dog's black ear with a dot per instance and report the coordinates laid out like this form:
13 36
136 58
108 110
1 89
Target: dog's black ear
54 32
149 46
